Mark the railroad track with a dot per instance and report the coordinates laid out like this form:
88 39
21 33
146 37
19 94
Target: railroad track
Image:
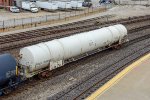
88 90
22 39
85 87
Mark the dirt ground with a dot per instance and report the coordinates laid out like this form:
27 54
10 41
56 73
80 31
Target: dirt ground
122 11
5 15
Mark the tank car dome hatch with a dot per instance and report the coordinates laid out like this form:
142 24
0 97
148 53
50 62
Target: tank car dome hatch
7 68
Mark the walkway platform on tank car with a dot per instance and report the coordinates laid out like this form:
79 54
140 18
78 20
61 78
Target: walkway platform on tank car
133 83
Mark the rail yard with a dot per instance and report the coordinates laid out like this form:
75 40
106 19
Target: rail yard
75 60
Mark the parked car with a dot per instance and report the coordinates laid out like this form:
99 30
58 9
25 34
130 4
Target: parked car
14 9
87 3
105 1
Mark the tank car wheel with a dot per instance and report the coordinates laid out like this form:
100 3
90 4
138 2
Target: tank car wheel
1 93
44 75
39 76
117 46
6 91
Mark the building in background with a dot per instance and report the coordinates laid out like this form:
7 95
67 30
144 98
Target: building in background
1 3
7 2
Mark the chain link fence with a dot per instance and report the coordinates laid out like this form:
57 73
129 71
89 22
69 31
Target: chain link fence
34 21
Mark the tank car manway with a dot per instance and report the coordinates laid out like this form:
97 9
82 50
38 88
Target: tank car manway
17 40
85 87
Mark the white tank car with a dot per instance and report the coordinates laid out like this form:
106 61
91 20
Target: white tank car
53 54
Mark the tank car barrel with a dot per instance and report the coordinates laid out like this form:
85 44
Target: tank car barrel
53 54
